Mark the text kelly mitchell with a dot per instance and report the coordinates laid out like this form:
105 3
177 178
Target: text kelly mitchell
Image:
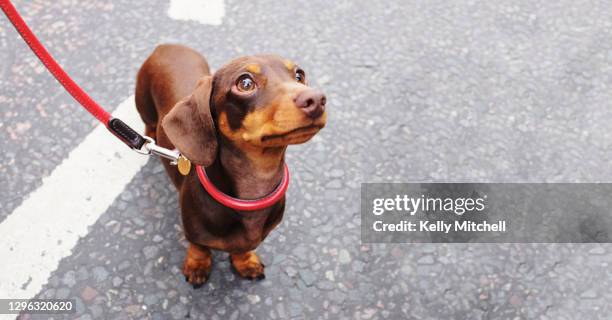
440 226
410 206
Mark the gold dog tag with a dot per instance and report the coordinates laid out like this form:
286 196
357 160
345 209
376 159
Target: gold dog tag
184 165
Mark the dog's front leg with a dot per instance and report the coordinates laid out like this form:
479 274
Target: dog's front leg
197 265
248 265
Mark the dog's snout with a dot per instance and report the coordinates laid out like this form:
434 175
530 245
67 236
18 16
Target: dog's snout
312 102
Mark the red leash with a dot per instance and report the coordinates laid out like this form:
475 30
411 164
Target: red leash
130 137
133 139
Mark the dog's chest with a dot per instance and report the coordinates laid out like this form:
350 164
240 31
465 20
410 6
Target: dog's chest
254 227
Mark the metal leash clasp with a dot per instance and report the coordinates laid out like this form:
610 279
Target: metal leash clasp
175 157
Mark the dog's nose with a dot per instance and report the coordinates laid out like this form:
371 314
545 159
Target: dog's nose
312 102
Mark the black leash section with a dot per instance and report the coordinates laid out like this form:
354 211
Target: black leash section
126 134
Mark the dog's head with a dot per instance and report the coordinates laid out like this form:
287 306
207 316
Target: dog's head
256 102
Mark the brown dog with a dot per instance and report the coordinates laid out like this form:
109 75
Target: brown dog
237 123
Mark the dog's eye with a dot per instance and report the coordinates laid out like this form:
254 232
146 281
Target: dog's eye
300 76
245 83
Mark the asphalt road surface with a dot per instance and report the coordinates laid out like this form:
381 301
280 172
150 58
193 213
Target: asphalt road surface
477 91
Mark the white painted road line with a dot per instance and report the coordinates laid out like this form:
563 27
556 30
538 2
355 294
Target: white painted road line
47 225
206 12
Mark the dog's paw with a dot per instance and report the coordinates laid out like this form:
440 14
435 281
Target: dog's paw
197 266
196 271
248 265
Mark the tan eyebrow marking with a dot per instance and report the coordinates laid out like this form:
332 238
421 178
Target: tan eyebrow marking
253 68
289 64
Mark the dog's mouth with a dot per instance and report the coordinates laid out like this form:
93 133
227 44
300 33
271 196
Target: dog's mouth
295 133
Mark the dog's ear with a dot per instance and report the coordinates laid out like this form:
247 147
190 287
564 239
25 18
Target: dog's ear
190 126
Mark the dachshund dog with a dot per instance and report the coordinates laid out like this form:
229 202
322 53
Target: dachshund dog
236 123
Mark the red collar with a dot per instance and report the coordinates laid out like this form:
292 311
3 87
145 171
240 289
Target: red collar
240 204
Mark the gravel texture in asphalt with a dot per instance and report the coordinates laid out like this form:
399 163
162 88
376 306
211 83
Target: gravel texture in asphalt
476 91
